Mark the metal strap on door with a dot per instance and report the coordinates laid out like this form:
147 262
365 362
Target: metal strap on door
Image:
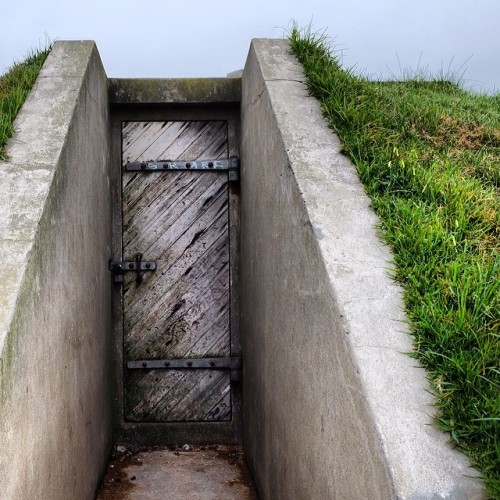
231 165
232 363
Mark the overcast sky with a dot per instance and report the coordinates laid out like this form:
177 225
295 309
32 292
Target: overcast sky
154 38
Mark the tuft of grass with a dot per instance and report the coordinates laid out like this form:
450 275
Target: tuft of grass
15 85
428 154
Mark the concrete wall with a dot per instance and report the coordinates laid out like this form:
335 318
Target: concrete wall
55 314
333 408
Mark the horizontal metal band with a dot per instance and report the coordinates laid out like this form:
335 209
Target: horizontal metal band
162 165
233 363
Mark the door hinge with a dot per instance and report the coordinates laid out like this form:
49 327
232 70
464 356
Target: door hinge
138 265
231 363
230 165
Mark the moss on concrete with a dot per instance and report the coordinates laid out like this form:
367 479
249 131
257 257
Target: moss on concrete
175 90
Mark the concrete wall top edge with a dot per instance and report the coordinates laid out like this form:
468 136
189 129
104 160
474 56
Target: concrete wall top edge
418 455
274 66
174 90
69 59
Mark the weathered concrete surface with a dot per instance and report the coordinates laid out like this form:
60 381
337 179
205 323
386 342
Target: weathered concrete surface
333 408
205 473
174 90
55 314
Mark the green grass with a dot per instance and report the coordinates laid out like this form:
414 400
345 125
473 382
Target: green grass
428 154
15 86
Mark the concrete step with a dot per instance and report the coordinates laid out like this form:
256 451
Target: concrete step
205 472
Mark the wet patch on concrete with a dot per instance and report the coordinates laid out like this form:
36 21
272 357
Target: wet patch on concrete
195 472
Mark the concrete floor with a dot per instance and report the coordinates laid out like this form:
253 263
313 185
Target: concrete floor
205 473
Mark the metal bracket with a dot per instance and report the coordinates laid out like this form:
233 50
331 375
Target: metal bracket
230 165
232 363
137 265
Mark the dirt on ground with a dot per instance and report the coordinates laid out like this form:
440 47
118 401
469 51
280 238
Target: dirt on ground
213 472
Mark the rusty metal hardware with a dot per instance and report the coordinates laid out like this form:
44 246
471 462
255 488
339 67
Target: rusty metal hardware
230 165
138 265
231 363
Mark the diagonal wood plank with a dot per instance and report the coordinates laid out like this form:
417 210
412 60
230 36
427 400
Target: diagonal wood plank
144 141
197 292
179 220
178 395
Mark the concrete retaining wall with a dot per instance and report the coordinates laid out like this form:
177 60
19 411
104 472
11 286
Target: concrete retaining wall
55 314
333 408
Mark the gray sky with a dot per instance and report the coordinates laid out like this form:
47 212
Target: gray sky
211 38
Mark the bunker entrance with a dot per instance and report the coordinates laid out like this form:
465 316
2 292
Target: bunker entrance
175 271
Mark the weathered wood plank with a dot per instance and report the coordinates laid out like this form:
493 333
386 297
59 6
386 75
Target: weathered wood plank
194 289
137 137
186 257
181 275
187 204
173 140
178 395
179 220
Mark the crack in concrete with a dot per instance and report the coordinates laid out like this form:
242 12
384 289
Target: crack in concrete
284 80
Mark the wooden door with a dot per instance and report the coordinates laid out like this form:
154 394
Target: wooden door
179 220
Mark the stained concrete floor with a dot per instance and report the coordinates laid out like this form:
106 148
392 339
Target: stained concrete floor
205 473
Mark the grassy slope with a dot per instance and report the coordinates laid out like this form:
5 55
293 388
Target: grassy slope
428 154
15 86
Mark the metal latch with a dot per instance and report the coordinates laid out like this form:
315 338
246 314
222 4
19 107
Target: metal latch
138 265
